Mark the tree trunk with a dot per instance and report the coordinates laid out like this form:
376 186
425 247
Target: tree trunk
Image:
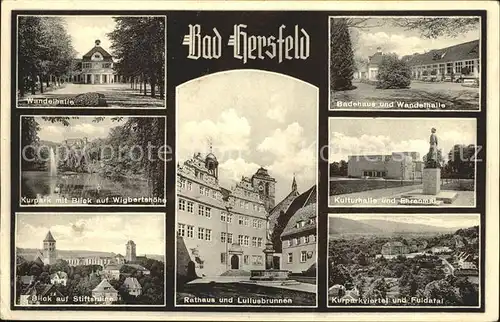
41 84
21 85
47 81
131 83
145 87
162 91
32 84
140 86
153 85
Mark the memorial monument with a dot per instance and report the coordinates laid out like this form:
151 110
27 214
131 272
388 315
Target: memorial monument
431 193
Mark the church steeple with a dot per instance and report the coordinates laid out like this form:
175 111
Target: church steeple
294 184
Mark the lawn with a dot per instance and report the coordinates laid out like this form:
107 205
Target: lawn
220 292
452 95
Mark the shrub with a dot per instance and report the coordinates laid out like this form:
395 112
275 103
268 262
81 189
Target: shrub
433 72
465 71
425 73
90 99
393 73
341 56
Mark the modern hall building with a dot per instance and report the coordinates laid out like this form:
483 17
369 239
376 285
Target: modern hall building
398 165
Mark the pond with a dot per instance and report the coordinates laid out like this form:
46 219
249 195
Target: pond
39 187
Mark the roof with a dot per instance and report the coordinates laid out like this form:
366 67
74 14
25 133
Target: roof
132 282
262 173
102 51
49 237
119 255
137 267
40 289
282 206
27 279
104 286
131 242
303 208
59 274
464 51
376 58
113 266
394 243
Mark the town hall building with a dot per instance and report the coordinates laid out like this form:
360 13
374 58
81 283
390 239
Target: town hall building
95 67
220 229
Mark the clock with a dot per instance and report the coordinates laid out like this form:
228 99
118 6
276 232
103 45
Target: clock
261 187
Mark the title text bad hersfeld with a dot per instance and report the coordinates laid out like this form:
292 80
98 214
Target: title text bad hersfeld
286 44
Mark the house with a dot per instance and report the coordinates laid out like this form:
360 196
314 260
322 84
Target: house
441 249
26 279
105 293
447 64
112 271
139 268
119 259
351 295
40 293
59 277
95 67
132 286
336 290
299 235
394 248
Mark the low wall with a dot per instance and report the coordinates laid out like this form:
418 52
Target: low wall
341 187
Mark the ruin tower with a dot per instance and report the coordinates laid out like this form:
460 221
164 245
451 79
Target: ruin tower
266 185
131 255
49 249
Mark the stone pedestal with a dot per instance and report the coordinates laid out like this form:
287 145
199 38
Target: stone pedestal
269 253
431 178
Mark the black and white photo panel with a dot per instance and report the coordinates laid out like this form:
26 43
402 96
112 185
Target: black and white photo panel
89 259
246 191
82 61
426 63
403 162
401 260
93 160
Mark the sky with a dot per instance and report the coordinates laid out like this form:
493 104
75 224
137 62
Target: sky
361 136
78 129
93 232
253 118
399 40
84 30
439 220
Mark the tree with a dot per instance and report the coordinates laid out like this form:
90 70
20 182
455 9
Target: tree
341 56
393 72
461 161
437 27
44 51
138 43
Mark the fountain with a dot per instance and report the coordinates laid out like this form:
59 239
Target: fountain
52 163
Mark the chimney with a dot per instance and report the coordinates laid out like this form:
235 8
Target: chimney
97 43
379 50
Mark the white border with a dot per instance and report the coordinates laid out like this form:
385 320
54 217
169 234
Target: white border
91 107
403 307
330 108
178 88
55 306
446 207
93 204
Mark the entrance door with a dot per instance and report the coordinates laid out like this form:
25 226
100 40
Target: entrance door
104 79
235 262
89 79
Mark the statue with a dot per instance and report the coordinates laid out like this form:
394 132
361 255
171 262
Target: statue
269 233
432 159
